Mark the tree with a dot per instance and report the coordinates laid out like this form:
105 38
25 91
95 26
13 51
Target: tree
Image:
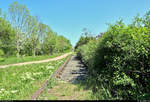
63 44
85 38
42 31
7 37
50 42
33 33
19 17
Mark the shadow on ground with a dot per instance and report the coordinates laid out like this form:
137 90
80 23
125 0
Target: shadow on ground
81 79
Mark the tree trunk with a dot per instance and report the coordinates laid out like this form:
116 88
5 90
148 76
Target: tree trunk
18 54
18 50
33 52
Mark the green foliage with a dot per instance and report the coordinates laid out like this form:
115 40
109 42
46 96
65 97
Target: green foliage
14 59
2 59
63 44
1 53
7 37
20 82
85 52
84 39
24 34
50 43
120 61
123 53
56 44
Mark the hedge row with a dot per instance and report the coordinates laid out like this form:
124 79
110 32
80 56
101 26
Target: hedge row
119 61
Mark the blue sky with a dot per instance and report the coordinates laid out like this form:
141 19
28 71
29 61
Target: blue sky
69 17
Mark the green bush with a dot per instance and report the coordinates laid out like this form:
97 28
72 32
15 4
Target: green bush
86 52
1 53
2 59
120 62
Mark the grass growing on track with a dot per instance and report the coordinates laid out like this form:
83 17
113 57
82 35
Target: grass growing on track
20 82
65 91
12 60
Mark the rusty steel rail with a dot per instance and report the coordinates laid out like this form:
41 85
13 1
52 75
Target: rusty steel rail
56 74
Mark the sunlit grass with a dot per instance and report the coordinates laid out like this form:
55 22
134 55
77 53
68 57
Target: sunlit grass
13 59
20 82
66 91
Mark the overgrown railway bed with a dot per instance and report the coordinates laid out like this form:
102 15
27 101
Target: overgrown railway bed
72 71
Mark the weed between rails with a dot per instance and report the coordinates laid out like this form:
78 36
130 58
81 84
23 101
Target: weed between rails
61 90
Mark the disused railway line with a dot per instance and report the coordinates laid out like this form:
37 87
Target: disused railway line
56 74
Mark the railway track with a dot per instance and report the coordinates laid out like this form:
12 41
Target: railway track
71 71
56 74
74 71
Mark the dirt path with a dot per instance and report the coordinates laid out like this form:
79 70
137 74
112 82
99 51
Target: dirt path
34 62
70 84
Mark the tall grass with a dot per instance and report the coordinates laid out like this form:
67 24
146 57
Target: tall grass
20 82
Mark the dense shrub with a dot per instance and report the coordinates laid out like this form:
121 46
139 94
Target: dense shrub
86 52
120 62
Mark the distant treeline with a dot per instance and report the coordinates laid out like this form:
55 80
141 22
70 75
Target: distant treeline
24 34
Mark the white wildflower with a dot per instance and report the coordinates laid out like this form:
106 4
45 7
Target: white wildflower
23 78
50 67
26 76
2 89
38 73
32 78
14 91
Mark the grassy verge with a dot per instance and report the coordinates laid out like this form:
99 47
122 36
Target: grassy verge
20 82
12 60
65 91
